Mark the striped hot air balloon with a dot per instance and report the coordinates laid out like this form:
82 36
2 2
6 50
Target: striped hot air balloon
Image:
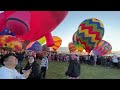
102 48
42 40
77 43
57 43
90 32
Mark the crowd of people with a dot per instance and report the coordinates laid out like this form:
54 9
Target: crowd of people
11 60
107 61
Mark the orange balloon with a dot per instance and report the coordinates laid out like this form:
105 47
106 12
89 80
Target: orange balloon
11 42
57 42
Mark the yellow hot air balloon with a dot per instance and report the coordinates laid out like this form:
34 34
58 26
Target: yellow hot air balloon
10 42
42 40
57 42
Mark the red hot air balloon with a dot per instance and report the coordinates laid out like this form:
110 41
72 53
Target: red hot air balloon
19 22
41 23
2 21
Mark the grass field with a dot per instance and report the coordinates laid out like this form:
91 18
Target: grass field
56 70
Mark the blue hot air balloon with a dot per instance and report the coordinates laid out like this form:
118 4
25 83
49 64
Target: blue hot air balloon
7 32
35 46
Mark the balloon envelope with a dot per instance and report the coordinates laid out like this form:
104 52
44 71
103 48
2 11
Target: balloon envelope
40 23
2 21
42 40
6 32
102 48
57 42
77 43
19 22
35 46
90 32
11 42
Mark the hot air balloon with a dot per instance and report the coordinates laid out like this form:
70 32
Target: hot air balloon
71 47
35 46
109 52
33 25
6 32
42 40
10 42
2 21
77 43
57 42
19 22
90 32
102 48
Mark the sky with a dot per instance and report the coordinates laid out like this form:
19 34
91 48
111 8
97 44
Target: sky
110 20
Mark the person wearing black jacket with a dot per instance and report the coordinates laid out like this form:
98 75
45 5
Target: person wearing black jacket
20 57
35 68
73 71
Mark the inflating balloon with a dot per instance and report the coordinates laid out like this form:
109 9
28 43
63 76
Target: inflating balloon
19 22
35 46
102 48
57 42
49 40
42 40
10 42
2 21
6 32
42 23
71 47
77 43
90 32
3 17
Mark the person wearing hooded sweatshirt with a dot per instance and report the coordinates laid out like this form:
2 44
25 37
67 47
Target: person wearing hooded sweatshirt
73 71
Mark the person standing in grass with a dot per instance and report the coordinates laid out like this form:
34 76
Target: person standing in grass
95 60
44 65
73 71
115 61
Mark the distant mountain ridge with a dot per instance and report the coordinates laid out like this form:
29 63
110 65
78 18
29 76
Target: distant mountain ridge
67 50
